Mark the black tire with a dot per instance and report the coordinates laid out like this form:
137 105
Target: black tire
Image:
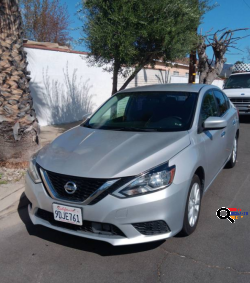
188 229
233 159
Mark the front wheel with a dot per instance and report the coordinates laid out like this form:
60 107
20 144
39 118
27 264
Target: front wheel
192 210
232 161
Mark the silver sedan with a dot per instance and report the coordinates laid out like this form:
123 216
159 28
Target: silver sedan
136 170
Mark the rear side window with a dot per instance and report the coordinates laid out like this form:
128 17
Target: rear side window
221 101
209 107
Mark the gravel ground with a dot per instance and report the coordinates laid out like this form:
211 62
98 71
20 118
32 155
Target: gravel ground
48 134
11 175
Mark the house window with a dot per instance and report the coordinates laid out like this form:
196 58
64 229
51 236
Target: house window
187 75
176 73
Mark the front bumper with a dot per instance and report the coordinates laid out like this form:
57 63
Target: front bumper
244 113
167 205
242 104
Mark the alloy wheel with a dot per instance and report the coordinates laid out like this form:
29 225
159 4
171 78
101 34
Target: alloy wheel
194 204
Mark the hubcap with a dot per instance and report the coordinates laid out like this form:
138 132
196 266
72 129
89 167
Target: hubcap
235 150
194 204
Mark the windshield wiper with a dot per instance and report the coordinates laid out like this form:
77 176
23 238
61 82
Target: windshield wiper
127 129
133 129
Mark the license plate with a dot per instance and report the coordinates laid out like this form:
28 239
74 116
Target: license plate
68 214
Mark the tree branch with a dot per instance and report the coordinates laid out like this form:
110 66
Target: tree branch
220 44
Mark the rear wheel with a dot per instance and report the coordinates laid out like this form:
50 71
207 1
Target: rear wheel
232 161
192 210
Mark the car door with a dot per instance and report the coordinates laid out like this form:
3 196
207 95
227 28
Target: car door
229 114
214 140
232 117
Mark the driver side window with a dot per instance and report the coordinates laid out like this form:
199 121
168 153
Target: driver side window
209 107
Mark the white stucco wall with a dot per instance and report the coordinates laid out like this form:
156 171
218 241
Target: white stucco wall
218 83
65 88
63 85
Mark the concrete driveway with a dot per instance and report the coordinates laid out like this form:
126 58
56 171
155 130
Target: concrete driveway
49 133
217 252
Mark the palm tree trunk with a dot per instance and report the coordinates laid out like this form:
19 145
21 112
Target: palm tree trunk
18 124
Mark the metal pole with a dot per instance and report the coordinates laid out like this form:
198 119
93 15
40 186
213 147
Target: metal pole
192 67
192 58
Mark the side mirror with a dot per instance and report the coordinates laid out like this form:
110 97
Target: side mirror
215 123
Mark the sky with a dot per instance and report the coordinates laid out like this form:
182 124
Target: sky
230 14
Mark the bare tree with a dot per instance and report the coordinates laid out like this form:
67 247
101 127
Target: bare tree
220 42
18 123
46 21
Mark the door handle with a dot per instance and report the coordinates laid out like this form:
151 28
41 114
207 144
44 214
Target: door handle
234 122
223 134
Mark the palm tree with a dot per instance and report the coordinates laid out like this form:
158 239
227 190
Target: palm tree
18 124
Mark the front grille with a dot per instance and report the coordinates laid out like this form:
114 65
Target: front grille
152 228
240 100
113 188
87 226
85 186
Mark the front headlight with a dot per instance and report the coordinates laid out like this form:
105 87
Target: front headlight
156 179
32 170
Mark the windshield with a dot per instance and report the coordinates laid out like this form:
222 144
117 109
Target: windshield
146 111
238 81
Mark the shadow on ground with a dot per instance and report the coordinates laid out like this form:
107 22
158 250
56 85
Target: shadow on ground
98 247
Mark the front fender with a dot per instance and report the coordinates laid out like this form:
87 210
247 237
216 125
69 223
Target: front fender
187 161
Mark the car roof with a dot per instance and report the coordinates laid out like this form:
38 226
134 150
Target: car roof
167 87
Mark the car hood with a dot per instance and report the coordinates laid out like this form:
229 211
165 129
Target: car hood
95 153
237 92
